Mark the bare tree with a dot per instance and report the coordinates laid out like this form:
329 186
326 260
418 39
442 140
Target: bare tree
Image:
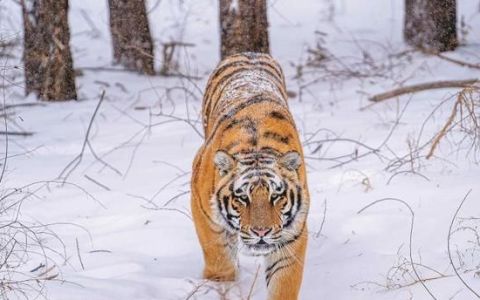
243 26
431 25
131 38
46 55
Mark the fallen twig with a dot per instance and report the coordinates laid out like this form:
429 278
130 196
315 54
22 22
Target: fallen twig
100 251
423 87
27 104
17 133
110 69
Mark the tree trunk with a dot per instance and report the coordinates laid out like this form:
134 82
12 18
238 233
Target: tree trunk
46 54
431 25
131 38
243 26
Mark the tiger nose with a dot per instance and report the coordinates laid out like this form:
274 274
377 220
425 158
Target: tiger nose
261 231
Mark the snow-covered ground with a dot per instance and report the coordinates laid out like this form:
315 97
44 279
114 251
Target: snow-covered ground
124 218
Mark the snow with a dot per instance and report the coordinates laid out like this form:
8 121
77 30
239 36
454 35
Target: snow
234 5
132 247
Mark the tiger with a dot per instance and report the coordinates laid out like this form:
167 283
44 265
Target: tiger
249 188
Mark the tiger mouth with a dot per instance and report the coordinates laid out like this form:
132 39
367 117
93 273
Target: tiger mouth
260 248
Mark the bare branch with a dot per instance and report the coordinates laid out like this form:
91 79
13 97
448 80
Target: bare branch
97 183
78 254
457 61
449 237
78 159
412 263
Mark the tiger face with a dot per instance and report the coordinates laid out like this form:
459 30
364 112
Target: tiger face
259 198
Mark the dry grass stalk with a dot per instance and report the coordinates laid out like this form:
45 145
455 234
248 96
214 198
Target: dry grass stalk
465 109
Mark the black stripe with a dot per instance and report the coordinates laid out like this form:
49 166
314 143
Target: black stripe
299 198
259 155
267 270
295 237
249 61
224 201
257 169
225 205
254 100
270 150
246 122
249 162
276 137
245 232
251 128
278 115
259 174
232 124
290 217
271 274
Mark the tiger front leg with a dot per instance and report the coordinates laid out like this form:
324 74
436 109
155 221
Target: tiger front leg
284 270
220 258
219 247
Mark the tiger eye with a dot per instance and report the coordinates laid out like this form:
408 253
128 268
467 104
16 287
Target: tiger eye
274 197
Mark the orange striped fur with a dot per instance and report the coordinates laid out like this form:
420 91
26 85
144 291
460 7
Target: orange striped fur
249 188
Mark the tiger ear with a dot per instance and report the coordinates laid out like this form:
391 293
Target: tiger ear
291 160
224 162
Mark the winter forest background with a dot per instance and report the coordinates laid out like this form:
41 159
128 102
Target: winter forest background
100 122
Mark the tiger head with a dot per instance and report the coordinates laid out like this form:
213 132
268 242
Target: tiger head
260 197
